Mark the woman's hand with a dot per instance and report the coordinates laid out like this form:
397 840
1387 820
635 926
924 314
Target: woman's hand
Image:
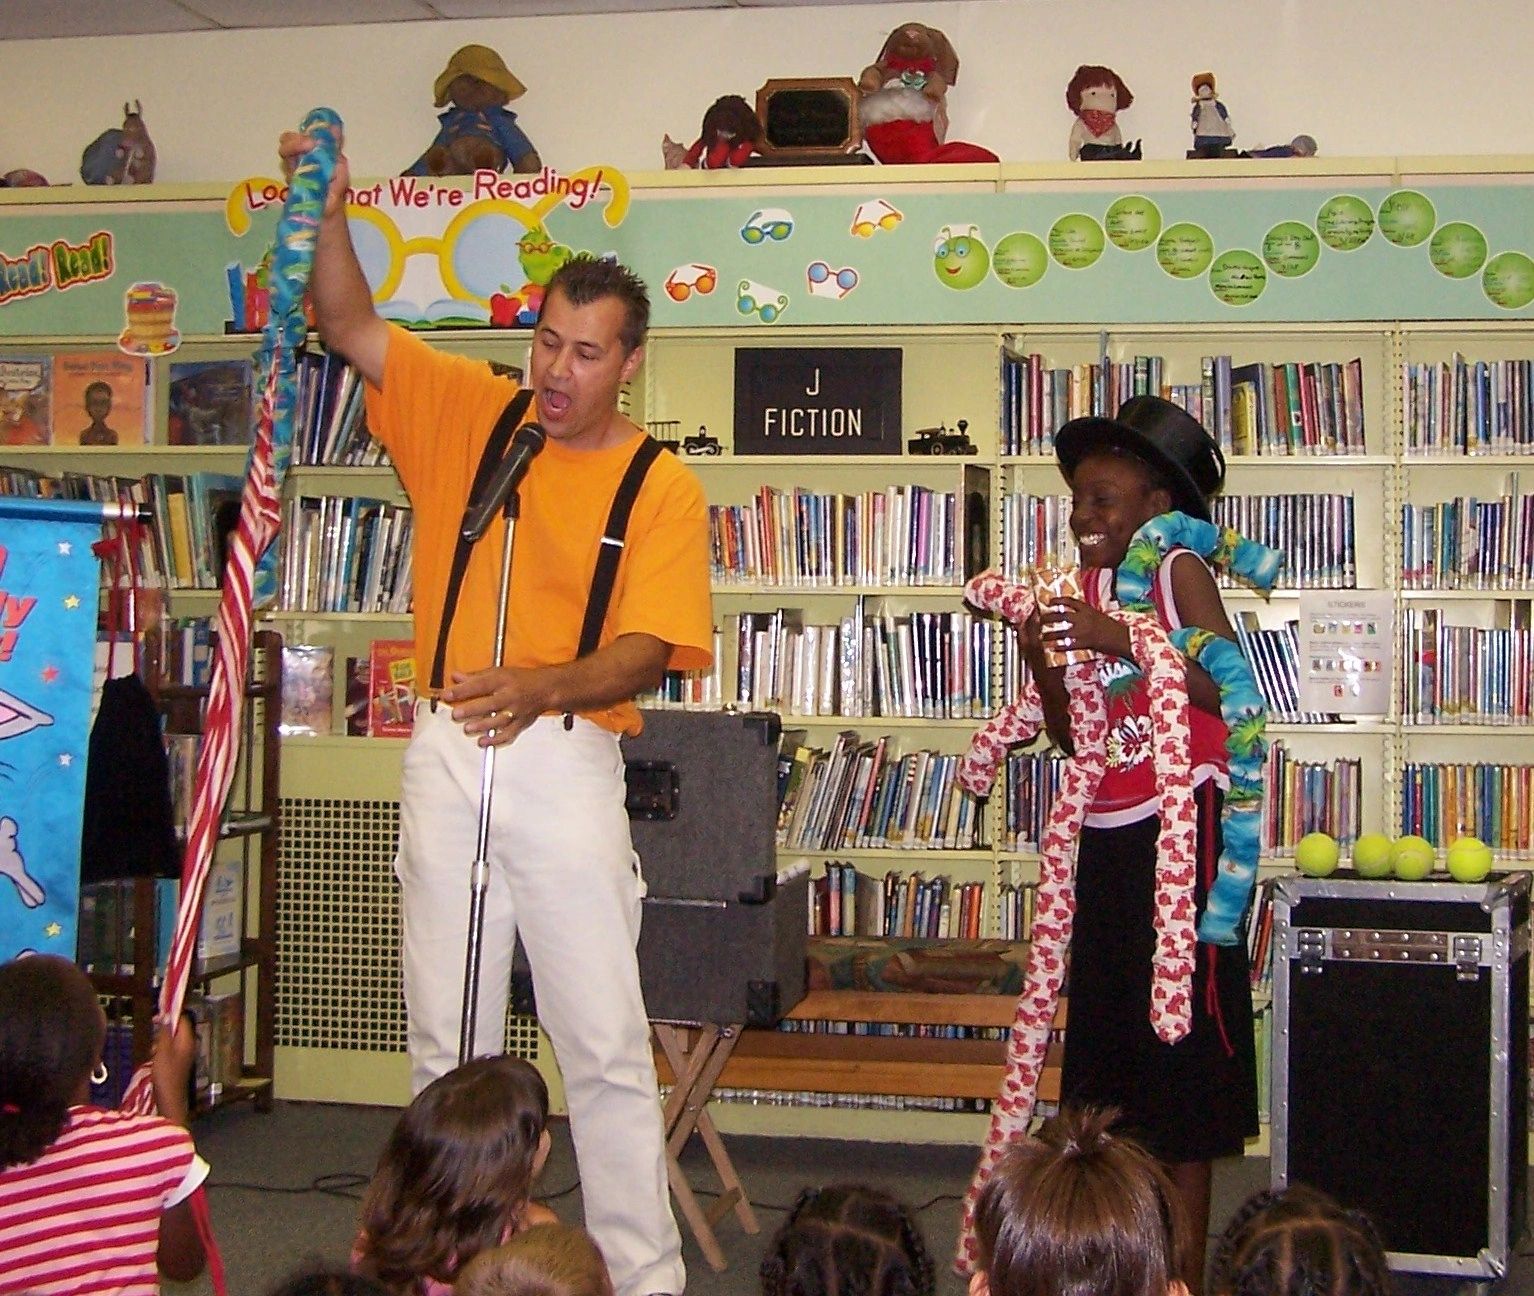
1070 623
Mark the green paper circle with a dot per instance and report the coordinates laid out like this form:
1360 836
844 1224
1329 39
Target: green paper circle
1237 277
1407 218
1508 280
1076 241
1184 250
1132 222
1291 249
1457 250
1345 223
1020 260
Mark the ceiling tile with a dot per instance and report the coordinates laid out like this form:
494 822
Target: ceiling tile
306 13
42 19
563 8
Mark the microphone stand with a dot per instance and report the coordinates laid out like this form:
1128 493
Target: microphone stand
479 876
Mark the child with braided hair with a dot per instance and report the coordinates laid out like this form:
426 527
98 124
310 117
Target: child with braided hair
1297 1241
848 1240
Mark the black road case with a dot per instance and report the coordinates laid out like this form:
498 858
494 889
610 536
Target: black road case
1400 1060
722 941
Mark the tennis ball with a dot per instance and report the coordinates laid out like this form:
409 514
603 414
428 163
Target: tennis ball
1469 859
1316 855
1412 858
1371 855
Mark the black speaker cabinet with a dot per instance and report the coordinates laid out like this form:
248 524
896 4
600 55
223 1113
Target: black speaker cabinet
721 940
703 803
724 962
1400 1060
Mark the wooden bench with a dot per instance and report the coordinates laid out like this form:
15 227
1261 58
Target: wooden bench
914 1067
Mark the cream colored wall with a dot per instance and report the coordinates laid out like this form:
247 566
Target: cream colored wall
1392 77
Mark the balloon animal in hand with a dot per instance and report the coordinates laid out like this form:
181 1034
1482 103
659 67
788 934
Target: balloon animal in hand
904 106
478 133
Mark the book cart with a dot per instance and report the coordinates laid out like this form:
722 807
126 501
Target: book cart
340 1030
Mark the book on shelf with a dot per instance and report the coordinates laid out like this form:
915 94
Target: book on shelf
1285 408
345 554
181 753
330 425
223 903
1470 543
26 399
210 402
358 677
1467 674
308 674
1465 407
1274 656
392 688
1303 797
102 398
1494 801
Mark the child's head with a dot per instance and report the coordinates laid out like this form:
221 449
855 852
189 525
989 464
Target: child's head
847 1239
1152 457
328 1282
545 1260
1297 1241
51 1033
1077 1211
456 1174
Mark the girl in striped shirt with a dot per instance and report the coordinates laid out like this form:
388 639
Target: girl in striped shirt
92 1202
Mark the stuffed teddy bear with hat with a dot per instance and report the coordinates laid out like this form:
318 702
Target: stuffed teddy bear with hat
478 133
904 108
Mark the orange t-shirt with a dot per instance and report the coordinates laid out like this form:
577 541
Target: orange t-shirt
435 412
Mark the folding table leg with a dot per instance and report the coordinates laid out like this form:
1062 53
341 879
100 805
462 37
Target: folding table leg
696 1069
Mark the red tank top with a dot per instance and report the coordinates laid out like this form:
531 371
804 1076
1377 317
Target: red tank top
1127 793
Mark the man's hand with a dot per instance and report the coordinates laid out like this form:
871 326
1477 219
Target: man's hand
497 704
291 146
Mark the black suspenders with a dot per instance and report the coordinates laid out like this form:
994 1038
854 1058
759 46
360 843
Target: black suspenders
609 551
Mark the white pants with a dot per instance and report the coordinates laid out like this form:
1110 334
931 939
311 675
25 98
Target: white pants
562 872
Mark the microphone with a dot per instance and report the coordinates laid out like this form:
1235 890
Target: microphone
484 505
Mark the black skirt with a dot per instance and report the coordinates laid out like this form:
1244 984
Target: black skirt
1190 1101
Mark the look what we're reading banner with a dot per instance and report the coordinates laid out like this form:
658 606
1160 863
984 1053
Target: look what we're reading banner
877 249
48 595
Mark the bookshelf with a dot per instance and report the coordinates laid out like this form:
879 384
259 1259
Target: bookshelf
245 863
340 1036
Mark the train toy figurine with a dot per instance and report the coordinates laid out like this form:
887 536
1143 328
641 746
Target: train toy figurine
940 441
701 443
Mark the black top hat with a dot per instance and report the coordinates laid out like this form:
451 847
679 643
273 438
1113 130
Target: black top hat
1162 435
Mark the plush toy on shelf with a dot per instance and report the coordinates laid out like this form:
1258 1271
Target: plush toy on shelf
1097 95
904 104
478 133
120 156
22 178
730 134
1213 135
1300 146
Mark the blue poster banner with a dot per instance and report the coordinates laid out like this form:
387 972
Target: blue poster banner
48 600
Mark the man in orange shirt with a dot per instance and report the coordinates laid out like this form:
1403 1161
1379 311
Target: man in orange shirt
563 869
